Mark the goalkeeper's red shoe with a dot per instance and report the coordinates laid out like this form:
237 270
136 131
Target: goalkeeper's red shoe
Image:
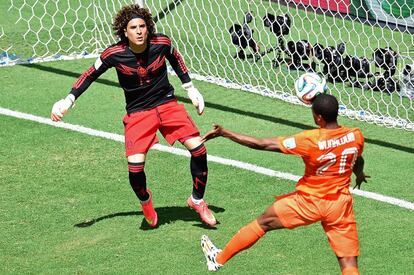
202 209
149 212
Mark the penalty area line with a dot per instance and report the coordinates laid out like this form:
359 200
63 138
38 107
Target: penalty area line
181 152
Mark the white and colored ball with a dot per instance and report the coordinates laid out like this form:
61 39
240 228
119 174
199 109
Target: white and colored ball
309 85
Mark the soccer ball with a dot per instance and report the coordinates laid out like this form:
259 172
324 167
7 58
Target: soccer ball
309 85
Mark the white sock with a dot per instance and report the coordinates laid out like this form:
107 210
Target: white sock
196 201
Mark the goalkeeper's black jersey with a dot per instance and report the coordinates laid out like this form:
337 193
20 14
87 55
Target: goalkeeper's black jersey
143 76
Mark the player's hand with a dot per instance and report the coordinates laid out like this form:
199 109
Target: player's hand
216 132
195 96
61 107
360 179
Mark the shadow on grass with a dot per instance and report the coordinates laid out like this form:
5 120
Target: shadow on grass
166 215
216 106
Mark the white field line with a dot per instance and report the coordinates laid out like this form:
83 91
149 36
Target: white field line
182 152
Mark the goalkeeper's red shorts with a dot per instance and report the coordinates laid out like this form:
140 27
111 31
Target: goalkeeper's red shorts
170 118
334 211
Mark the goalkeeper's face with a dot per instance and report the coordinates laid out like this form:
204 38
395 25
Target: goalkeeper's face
137 32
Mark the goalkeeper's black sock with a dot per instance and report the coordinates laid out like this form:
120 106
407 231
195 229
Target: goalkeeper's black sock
138 180
199 171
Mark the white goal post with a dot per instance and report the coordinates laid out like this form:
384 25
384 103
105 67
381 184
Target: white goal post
365 48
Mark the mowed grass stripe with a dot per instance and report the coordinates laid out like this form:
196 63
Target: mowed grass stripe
181 152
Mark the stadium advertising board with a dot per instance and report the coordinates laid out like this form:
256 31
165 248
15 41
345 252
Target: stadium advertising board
399 12
341 6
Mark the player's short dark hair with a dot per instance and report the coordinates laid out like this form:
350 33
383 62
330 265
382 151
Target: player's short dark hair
327 106
127 13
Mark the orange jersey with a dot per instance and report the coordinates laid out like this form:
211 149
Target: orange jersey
329 156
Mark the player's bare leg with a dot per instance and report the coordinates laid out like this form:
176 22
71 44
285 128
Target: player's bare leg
269 220
246 237
349 265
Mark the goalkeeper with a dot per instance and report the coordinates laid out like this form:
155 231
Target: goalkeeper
139 59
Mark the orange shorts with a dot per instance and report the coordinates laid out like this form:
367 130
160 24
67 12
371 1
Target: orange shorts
335 213
170 118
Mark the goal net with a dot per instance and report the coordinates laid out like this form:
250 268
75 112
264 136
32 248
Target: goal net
364 48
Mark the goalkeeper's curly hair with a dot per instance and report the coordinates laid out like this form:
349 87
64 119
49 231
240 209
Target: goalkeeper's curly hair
127 13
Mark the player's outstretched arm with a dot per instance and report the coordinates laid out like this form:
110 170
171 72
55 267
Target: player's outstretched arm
359 172
81 85
61 107
268 144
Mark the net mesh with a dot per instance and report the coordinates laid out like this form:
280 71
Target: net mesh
364 49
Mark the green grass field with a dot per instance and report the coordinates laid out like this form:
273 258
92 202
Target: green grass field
66 205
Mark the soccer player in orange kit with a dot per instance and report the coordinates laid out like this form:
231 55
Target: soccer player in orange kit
330 153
